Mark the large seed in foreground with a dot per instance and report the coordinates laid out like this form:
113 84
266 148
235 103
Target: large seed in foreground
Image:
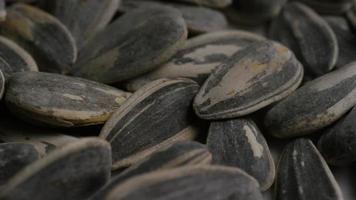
73 172
316 105
179 154
14 59
303 174
239 143
58 100
42 35
132 45
308 35
338 144
153 117
252 79
13 157
190 183
199 57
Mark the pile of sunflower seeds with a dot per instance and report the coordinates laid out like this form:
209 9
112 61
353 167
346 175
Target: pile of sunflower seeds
177 99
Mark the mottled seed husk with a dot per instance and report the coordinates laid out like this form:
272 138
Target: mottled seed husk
13 157
190 183
346 40
254 78
303 174
179 154
83 18
199 57
14 59
153 117
57 100
208 3
132 45
329 6
42 35
308 35
316 105
2 84
338 144
73 172
239 143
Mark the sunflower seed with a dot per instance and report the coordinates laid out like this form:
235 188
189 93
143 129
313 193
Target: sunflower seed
73 172
14 59
134 44
338 144
199 57
304 174
57 100
83 18
42 35
179 154
190 183
2 84
209 3
13 157
329 6
239 143
308 35
316 105
254 78
153 117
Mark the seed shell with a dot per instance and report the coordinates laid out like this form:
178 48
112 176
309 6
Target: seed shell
315 105
308 35
179 154
239 143
153 117
304 174
70 173
190 183
254 78
136 43
199 57
58 100
338 144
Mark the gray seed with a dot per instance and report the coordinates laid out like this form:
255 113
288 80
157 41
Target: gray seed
134 44
254 78
58 100
308 35
42 35
316 105
83 18
14 59
152 118
70 173
329 6
338 144
208 3
199 57
179 154
13 157
304 174
190 183
239 143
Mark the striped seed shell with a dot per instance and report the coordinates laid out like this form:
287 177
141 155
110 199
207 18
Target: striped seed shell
308 35
314 106
13 157
134 44
155 116
303 174
83 18
179 154
42 35
2 84
199 57
73 172
338 144
239 143
208 3
254 78
190 183
14 59
58 100
335 7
